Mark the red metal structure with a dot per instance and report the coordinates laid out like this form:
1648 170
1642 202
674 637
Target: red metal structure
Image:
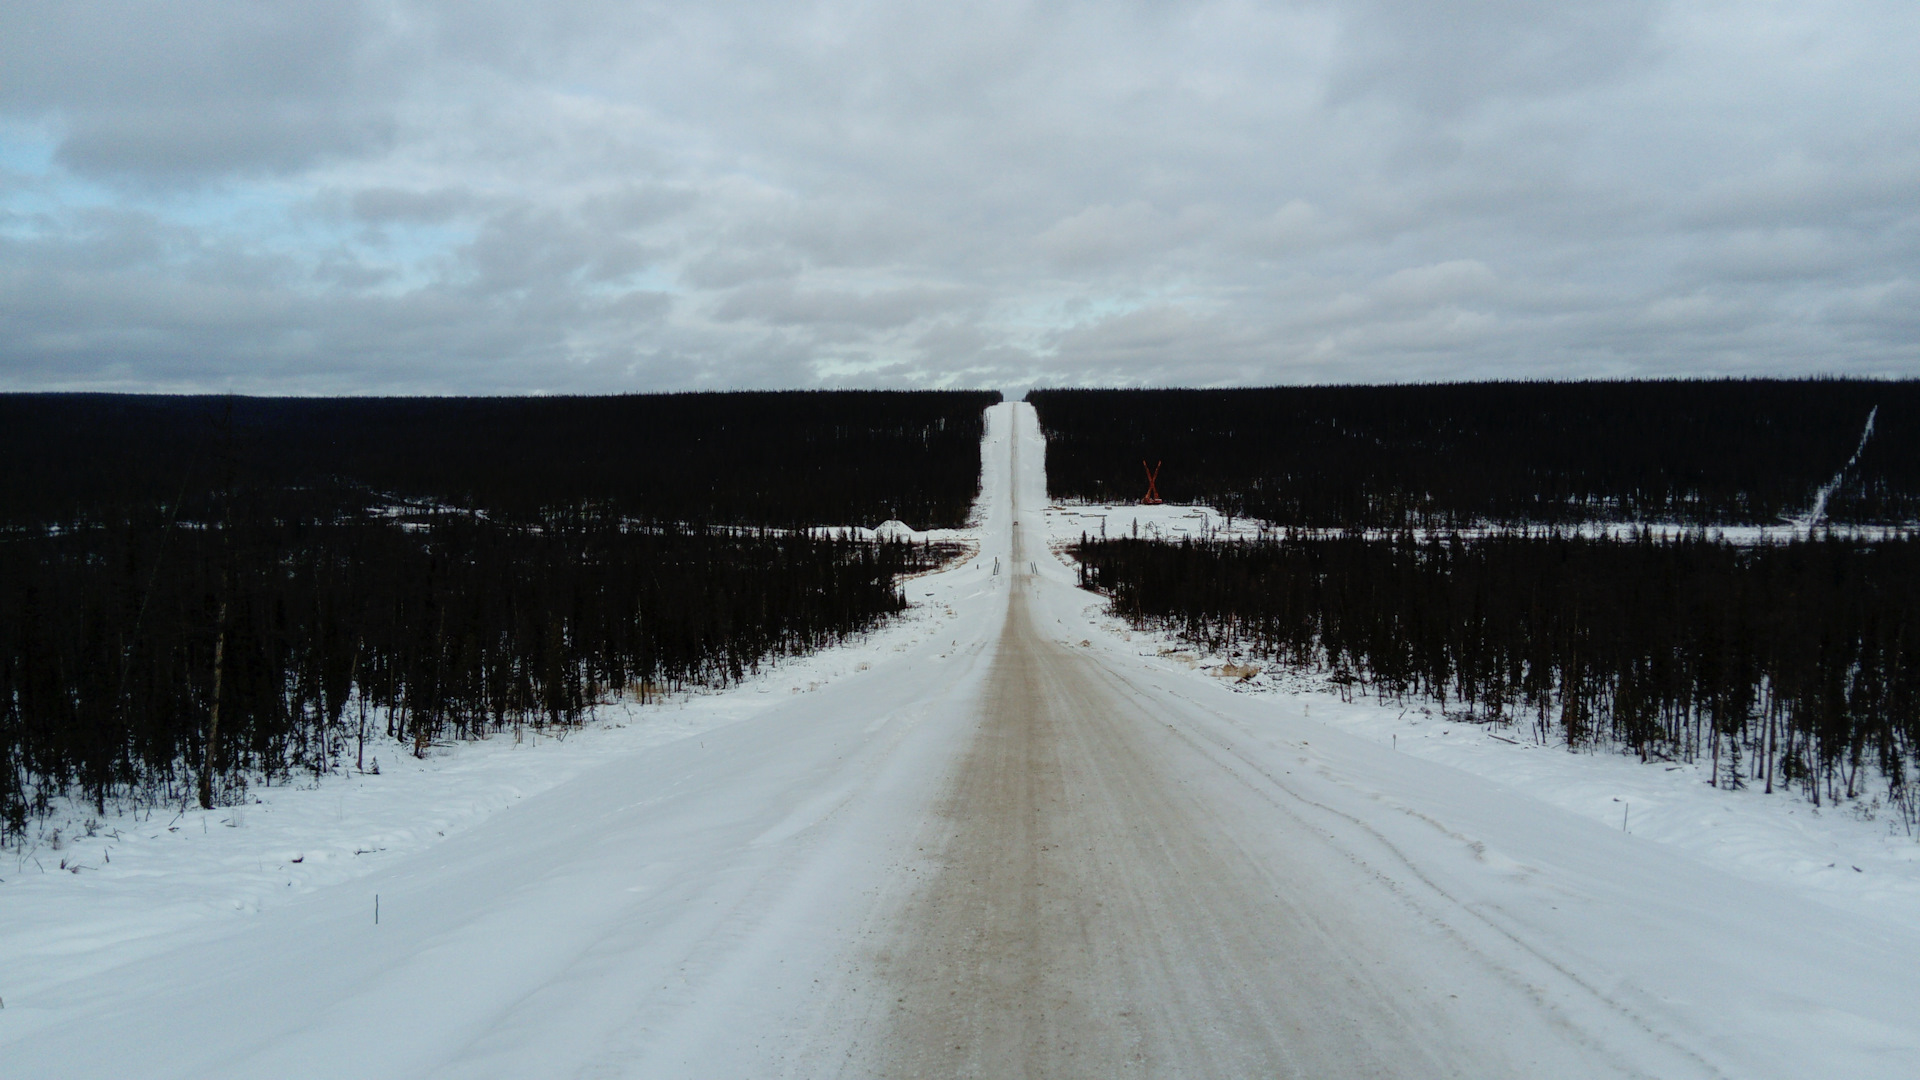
1152 497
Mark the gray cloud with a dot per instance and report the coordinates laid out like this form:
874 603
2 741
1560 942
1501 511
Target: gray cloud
197 89
780 304
410 195
1441 58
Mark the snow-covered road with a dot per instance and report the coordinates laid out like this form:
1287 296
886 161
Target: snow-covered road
1009 847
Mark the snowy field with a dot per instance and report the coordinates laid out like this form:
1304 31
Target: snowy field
707 887
1067 521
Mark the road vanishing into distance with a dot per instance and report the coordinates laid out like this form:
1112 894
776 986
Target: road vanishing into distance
1012 847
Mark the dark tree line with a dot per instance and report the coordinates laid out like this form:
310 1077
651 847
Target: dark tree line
453 628
1461 455
776 459
196 593
1794 665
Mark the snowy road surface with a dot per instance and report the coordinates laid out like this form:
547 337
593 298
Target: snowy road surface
1011 847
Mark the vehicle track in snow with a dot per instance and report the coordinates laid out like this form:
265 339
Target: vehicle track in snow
1099 910
1088 920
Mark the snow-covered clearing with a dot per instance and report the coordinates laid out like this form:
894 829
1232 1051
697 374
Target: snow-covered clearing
818 874
1066 522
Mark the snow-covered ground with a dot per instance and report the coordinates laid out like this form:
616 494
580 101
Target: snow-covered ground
93 892
233 937
1067 521
705 887
1858 855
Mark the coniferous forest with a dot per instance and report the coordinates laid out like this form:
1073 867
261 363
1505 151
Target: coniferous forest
1736 452
1789 665
1785 665
773 459
201 593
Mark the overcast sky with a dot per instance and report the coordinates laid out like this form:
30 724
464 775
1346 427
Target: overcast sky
566 196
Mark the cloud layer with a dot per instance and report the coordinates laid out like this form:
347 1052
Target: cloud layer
378 196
